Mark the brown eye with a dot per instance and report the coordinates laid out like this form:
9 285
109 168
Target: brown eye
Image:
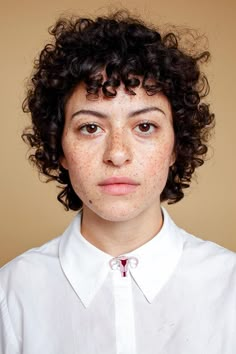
90 129
145 128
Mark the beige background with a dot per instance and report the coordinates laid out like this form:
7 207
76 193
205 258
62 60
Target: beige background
30 214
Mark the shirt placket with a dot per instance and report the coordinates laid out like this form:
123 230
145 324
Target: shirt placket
124 313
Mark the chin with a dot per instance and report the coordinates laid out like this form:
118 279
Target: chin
115 213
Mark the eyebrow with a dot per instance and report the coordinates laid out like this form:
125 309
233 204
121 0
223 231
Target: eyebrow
130 115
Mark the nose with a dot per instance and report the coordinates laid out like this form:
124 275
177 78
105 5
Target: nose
118 150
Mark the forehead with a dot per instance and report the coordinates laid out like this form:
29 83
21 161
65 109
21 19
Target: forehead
123 101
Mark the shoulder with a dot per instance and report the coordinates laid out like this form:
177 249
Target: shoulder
31 264
198 245
198 251
207 259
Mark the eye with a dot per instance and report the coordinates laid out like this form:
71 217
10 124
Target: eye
145 127
90 129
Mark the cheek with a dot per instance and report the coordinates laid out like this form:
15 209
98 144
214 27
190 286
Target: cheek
75 154
158 163
76 160
80 166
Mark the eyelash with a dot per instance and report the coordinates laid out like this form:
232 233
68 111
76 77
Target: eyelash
86 125
150 124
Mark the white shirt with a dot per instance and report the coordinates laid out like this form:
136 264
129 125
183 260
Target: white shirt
67 297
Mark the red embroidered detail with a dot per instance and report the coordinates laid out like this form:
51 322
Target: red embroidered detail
123 263
123 266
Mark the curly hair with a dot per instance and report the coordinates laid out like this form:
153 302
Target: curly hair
129 52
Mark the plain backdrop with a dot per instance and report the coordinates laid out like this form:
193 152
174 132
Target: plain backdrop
30 214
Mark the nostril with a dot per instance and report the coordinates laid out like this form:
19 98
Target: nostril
117 152
118 158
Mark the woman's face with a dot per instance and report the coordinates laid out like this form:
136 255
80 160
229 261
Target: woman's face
118 151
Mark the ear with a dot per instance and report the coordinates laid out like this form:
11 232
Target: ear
172 159
63 162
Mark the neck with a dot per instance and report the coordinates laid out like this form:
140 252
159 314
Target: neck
120 237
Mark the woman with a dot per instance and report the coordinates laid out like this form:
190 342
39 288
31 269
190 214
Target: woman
118 121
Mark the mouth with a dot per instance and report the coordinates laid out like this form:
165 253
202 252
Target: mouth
118 185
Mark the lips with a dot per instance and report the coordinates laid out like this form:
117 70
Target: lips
118 180
118 185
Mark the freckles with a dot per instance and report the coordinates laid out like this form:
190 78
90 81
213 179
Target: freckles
158 166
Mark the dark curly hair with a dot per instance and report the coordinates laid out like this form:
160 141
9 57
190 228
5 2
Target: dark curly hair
131 52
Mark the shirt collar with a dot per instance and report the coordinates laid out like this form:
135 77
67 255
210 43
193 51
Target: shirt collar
86 267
